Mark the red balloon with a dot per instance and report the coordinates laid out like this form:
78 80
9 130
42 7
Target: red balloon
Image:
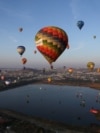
24 60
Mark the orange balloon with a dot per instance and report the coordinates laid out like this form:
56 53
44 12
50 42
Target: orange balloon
70 70
98 70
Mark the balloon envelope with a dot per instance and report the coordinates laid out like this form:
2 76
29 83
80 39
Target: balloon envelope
51 41
90 65
24 60
94 37
49 79
80 24
21 50
2 77
20 29
35 51
98 70
7 82
70 70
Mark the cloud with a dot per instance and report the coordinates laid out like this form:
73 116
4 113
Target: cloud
78 47
13 39
22 14
74 8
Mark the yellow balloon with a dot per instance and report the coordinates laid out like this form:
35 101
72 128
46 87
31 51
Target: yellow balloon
90 65
49 79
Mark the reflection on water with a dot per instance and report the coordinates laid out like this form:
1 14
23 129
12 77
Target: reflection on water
65 104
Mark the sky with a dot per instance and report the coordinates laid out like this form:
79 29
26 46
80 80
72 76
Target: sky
32 15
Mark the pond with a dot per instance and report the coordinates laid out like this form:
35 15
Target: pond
66 104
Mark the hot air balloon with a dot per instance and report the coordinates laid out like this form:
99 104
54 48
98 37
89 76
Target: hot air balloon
21 50
2 77
49 79
43 70
20 29
70 70
64 67
51 42
7 82
35 51
90 65
24 60
80 24
94 37
94 111
98 70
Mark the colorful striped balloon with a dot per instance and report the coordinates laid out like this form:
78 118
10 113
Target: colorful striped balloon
51 41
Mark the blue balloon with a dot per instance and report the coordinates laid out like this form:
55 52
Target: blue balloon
80 24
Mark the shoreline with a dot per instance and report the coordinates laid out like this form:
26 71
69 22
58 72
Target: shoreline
51 126
91 85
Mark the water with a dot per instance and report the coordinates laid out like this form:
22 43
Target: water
54 102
